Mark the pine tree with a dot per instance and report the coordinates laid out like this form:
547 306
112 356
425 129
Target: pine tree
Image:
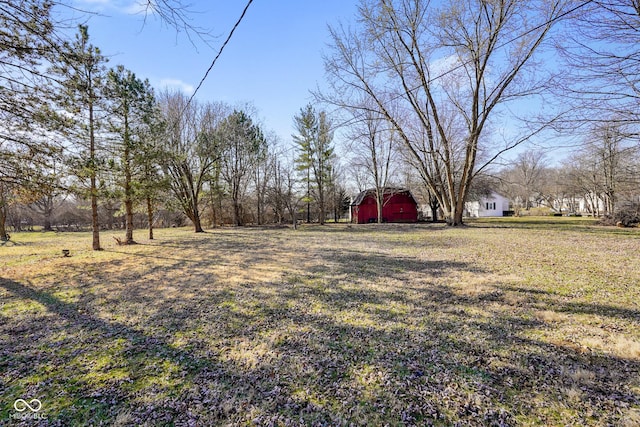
81 68
131 108
243 145
25 40
306 125
315 150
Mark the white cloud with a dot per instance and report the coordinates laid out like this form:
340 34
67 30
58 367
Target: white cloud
177 84
130 7
447 65
138 7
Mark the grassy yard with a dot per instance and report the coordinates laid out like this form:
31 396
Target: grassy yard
503 322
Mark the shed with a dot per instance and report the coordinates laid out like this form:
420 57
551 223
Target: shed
398 205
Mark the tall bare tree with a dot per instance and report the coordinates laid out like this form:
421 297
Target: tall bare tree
372 144
522 181
438 72
262 174
191 149
601 82
610 162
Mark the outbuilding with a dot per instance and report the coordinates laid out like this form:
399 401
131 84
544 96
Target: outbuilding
398 205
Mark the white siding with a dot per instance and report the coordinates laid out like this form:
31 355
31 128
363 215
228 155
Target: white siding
494 205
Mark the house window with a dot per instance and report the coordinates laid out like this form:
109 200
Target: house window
491 206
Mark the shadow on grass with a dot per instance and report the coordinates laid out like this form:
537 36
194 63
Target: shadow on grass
339 338
8 243
553 301
589 226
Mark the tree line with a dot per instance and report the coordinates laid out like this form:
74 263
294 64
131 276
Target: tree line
457 86
81 135
420 91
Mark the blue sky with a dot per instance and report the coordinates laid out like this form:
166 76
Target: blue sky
273 60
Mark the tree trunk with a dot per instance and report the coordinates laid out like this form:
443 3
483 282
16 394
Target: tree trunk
237 213
321 206
47 222
150 217
379 202
128 204
95 225
48 212
128 190
294 220
4 236
434 209
308 195
196 221
455 218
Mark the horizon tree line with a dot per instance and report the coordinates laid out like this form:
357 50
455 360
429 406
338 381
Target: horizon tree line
423 88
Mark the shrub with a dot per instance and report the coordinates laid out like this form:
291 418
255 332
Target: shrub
627 215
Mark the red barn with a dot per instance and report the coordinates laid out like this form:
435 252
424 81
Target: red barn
399 206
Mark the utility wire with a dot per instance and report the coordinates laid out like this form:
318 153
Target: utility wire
206 74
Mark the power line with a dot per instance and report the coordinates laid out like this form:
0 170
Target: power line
206 74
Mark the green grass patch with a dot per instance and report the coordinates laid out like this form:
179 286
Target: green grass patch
510 321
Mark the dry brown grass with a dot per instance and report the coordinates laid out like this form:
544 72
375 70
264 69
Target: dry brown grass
505 323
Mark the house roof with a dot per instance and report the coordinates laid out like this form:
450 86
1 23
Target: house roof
492 194
387 190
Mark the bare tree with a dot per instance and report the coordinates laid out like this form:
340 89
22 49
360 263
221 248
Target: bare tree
607 166
191 149
291 192
601 82
262 174
371 141
523 180
438 73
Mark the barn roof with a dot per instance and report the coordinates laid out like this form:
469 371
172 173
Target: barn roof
387 190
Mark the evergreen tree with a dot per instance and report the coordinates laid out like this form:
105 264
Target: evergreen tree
243 145
81 69
25 39
306 125
314 140
131 111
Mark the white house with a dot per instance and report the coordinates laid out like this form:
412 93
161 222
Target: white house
493 205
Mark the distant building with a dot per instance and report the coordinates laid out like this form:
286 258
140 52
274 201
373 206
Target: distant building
399 205
492 205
